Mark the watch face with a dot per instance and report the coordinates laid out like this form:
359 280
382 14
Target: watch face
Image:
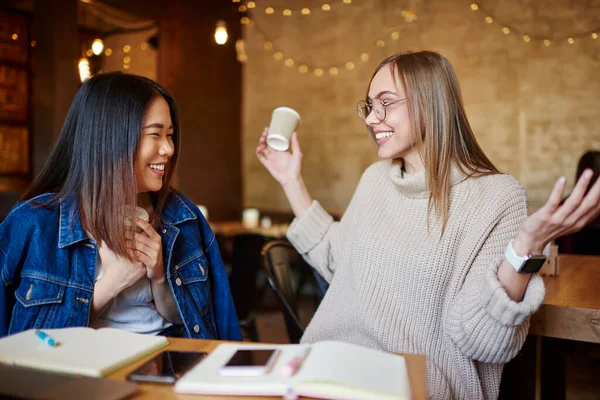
533 264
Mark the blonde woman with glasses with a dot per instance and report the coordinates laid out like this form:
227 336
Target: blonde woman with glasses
435 254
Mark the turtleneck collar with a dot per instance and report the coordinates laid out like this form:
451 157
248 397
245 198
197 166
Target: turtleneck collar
415 185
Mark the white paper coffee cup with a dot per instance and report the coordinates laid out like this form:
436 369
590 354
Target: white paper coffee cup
284 122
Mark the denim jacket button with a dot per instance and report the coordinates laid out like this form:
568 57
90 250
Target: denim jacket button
164 231
196 328
178 282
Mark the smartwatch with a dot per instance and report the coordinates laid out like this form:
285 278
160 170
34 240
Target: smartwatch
528 264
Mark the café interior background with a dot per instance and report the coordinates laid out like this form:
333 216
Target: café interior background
528 70
533 107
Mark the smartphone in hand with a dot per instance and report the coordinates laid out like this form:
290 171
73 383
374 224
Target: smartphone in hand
166 367
250 362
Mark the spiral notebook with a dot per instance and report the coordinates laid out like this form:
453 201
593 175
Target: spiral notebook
331 370
79 351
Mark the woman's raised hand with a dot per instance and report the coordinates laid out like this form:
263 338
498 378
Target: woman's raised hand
283 165
555 219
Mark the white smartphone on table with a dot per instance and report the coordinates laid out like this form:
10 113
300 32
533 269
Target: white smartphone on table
250 362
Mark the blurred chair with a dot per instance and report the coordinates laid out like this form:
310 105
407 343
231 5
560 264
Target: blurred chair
282 262
245 266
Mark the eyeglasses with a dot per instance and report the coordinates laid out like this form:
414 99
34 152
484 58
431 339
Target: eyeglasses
377 105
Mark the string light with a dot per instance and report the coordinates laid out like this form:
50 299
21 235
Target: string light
527 38
288 11
318 71
126 48
108 52
14 36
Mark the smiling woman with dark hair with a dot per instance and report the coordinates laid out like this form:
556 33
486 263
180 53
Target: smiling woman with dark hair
69 257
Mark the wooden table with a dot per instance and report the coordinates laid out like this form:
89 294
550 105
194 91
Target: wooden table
571 308
415 363
569 313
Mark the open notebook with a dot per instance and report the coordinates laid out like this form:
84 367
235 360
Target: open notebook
331 370
81 351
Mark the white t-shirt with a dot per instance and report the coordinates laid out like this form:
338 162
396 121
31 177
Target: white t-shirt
132 310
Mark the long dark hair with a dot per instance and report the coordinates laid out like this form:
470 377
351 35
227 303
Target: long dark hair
94 155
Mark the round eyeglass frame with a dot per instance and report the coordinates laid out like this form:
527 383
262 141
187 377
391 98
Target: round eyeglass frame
368 108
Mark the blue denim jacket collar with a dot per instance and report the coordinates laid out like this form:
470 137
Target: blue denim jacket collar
71 229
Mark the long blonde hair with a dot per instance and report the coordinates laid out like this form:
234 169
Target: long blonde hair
443 135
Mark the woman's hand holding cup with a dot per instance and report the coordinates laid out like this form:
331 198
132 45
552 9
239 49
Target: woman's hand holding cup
282 165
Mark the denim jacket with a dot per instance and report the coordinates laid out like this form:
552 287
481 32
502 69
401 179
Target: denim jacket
48 264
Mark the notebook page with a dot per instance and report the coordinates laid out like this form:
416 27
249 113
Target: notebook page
346 371
204 378
82 351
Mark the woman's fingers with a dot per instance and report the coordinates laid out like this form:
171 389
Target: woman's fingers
587 209
555 198
296 145
577 194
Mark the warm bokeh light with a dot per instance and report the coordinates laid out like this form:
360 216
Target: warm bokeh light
97 46
84 69
221 33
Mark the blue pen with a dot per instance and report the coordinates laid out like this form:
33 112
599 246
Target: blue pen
45 338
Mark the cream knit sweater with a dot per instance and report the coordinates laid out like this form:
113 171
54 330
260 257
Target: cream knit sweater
396 286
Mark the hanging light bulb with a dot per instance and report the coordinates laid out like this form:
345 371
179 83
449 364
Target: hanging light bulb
97 46
221 32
